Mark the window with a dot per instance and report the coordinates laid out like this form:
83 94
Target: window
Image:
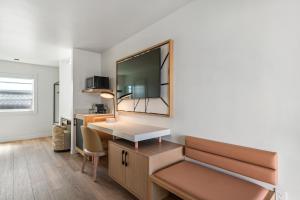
16 94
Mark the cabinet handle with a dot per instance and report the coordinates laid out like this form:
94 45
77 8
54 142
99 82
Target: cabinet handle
123 157
126 164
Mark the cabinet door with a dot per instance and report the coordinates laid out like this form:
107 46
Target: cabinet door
136 174
79 140
115 167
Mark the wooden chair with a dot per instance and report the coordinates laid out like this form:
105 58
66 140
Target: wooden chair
104 136
92 146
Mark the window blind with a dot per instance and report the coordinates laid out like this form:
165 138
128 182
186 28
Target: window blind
16 94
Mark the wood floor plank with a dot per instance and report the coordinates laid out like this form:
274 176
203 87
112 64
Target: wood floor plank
32 171
6 169
22 184
34 158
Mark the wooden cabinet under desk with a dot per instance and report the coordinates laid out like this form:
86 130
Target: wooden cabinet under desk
131 167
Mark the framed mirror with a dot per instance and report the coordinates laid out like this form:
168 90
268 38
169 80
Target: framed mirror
145 81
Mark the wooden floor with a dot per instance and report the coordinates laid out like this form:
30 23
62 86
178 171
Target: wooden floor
31 170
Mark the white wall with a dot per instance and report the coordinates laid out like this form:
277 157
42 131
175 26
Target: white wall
236 75
17 126
74 70
85 64
66 88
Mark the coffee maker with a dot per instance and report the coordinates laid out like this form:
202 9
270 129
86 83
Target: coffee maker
100 108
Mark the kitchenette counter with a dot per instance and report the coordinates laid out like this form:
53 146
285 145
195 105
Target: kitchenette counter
82 116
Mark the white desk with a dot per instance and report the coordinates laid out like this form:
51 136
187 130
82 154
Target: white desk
133 132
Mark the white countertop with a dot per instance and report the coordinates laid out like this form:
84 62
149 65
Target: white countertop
130 131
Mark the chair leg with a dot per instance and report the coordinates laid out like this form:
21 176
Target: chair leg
83 163
96 159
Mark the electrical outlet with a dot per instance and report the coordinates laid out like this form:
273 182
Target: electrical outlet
281 195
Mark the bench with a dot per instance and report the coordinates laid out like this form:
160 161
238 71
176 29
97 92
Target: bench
196 178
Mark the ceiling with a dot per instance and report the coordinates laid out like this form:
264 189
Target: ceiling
44 31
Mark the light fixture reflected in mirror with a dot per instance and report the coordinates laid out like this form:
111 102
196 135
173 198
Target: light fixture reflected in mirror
125 96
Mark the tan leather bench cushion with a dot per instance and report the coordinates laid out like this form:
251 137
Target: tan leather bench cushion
258 157
255 163
207 184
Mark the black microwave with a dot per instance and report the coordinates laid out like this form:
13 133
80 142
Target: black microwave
97 82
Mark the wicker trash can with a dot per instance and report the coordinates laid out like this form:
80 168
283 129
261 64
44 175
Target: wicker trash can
61 138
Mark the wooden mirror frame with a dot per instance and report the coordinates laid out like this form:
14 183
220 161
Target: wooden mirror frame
170 77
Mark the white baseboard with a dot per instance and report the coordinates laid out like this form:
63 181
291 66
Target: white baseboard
24 137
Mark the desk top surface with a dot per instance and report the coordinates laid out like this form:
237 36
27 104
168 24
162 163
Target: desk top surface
130 131
148 147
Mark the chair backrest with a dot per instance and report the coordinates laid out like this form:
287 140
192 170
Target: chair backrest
91 140
258 164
